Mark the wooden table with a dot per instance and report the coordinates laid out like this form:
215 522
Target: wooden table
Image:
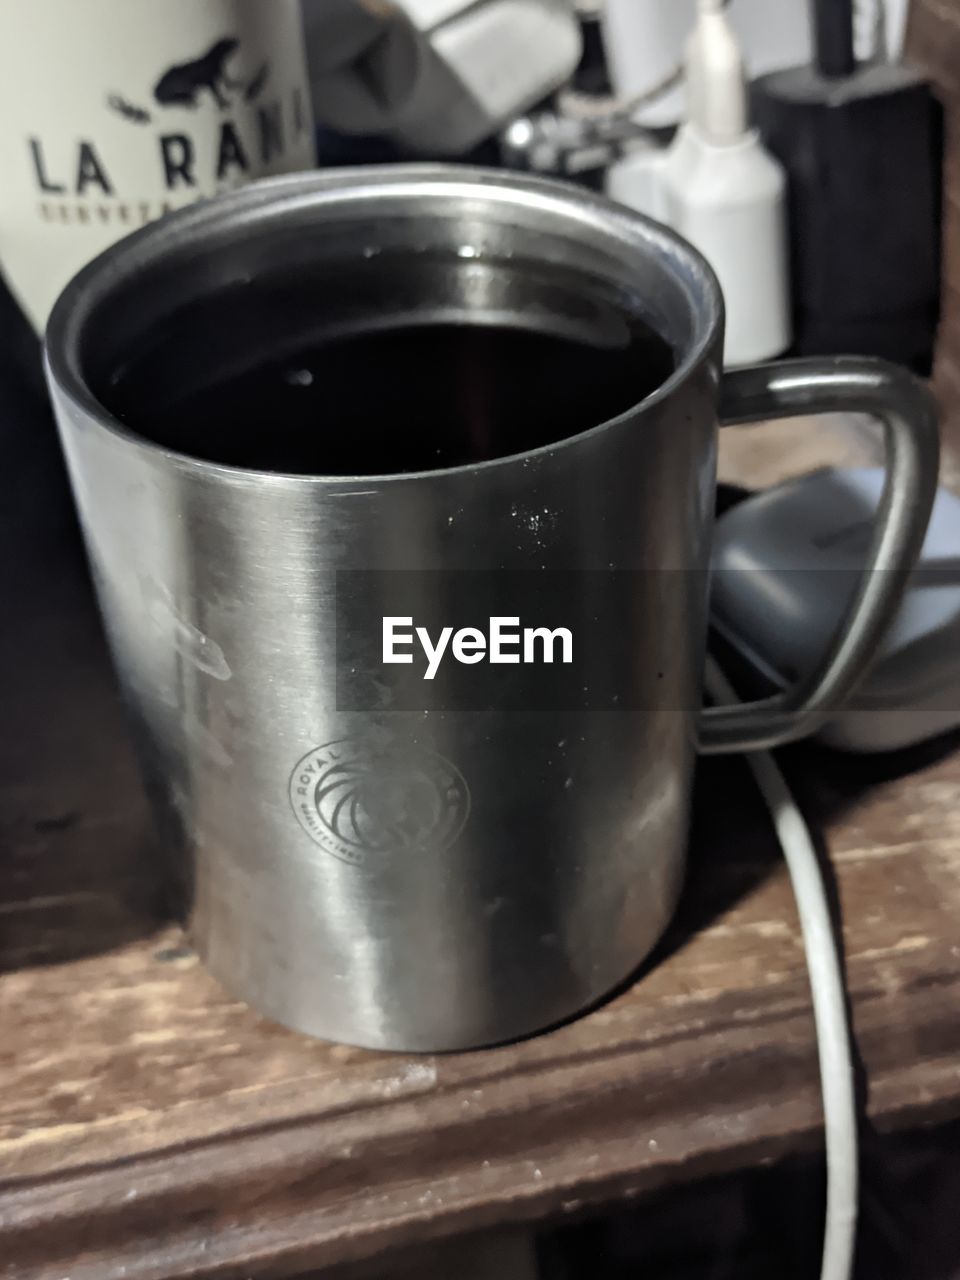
151 1128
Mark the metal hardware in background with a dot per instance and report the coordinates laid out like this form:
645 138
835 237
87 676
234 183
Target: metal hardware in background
492 872
581 134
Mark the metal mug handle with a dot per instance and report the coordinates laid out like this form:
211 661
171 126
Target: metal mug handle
906 409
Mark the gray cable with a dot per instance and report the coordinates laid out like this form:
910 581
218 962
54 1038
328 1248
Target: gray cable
826 988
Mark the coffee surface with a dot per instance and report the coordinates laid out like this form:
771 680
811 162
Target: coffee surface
393 367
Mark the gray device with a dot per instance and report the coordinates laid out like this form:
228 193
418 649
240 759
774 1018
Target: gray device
785 566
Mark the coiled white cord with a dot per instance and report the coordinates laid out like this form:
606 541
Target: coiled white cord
827 991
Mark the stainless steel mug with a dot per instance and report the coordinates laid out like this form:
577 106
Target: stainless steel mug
534 855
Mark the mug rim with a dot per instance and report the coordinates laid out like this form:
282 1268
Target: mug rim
615 223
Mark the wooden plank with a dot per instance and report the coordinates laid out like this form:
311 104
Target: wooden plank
153 1128
933 43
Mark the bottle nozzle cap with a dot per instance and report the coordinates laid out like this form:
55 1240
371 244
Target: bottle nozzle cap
715 76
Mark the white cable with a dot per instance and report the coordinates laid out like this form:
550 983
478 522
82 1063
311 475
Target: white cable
826 988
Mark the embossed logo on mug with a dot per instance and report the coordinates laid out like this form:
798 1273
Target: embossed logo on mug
361 800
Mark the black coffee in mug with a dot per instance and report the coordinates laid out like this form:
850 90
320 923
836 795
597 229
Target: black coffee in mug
399 362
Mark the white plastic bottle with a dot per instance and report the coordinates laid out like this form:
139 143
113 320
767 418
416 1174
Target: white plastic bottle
727 195
717 186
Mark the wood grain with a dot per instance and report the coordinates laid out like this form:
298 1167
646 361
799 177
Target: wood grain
933 43
152 1128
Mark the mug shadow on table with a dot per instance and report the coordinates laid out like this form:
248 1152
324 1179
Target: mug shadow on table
733 848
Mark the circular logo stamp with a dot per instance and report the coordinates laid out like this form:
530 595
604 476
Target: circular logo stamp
360 800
